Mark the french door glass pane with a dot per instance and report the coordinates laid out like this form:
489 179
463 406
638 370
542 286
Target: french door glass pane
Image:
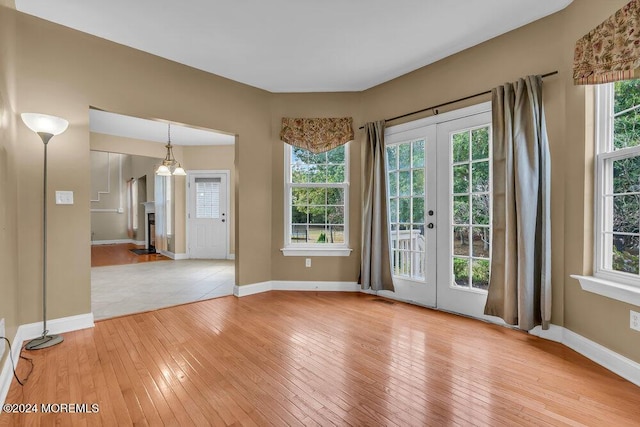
407 191
471 207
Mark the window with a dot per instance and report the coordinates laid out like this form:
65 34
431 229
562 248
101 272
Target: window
169 204
132 204
617 192
208 198
316 202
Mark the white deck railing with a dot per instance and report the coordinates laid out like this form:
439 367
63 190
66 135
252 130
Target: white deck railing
408 247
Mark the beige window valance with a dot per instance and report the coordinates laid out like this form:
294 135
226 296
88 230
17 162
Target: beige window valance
611 51
317 135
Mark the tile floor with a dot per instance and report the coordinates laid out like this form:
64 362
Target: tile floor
125 289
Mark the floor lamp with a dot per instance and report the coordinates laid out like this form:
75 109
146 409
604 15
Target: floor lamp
46 127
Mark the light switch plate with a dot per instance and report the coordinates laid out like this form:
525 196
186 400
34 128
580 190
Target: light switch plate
64 197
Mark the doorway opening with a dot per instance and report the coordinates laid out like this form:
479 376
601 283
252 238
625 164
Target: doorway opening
133 211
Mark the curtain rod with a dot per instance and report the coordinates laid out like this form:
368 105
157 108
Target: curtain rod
450 102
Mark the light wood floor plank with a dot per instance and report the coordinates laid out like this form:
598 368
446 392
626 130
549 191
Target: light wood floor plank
317 359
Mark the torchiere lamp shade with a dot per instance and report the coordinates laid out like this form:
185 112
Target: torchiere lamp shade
43 123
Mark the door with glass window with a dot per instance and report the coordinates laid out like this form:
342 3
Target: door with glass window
207 216
439 192
464 206
411 185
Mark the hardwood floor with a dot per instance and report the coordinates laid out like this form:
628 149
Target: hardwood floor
119 254
294 358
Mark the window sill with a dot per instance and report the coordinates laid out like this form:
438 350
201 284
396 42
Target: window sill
316 251
609 289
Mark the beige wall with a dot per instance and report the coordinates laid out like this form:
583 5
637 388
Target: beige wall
82 70
9 289
601 319
143 169
109 175
322 268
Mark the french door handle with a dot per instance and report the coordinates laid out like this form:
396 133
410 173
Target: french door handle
430 213
430 225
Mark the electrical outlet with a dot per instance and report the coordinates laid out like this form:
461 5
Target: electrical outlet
2 342
307 262
634 321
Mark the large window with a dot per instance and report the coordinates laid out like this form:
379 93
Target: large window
316 201
618 182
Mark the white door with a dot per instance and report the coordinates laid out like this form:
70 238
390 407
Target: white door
464 206
411 178
207 215
439 209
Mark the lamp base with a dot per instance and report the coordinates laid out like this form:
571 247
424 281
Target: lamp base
44 342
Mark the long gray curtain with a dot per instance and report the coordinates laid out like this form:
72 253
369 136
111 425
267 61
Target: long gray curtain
520 285
375 270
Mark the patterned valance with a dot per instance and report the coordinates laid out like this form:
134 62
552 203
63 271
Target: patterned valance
317 135
611 51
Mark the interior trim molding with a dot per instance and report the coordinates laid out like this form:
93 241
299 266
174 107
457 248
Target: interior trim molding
6 375
113 242
286 285
252 289
609 359
34 330
172 255
610 289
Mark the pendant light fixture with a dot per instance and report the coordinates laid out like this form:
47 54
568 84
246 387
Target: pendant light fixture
170 166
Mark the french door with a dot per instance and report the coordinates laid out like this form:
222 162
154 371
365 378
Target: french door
439 193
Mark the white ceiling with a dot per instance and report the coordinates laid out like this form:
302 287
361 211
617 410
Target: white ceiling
297 45
153 130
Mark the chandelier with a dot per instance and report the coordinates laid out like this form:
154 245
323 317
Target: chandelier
170 166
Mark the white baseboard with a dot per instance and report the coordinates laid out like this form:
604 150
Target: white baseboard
285 285
34 330
6 374
173 255
616 363
56 326
254 288
113 242
231 256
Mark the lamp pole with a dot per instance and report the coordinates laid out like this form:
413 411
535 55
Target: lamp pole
46 127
